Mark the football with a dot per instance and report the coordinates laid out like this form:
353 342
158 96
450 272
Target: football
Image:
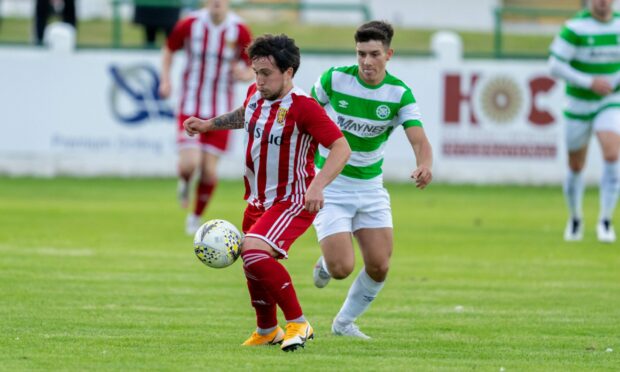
217 243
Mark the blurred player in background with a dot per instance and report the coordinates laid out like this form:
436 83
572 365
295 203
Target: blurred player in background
283 128
368 103
45 8
215 41
586 54
155 19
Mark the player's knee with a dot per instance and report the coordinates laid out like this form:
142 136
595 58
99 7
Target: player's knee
256 244
379 272
340 270
208 176
247 245
576 165
611 157
186 170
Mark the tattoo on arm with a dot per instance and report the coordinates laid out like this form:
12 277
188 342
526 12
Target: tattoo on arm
232 120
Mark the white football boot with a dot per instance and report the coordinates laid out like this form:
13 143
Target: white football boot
574 230
605 232
348 329
319 274
192 223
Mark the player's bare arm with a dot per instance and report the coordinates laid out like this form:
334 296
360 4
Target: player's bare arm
423 174
231 120
339 153
241 72
165 87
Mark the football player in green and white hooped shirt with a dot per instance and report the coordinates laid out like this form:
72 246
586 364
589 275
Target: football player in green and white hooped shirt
368 104
586 54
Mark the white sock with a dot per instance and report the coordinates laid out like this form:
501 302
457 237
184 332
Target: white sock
324 265
573 192
610 187
362 292
265 331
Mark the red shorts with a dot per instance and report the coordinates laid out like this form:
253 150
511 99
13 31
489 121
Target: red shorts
279 226
215 142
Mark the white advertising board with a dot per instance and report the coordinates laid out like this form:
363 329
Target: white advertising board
96 113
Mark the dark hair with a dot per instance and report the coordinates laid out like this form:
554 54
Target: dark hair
375 30
281 47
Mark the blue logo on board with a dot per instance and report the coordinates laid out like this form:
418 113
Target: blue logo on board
134 96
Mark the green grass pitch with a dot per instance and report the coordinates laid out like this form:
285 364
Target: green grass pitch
97 274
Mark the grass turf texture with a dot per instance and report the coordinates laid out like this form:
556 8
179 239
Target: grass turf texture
97 274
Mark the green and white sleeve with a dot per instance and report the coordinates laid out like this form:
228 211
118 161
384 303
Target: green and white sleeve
563 50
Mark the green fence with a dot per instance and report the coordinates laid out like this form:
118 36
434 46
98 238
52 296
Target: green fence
294 6
501 13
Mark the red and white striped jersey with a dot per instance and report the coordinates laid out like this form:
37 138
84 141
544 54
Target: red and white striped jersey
211 50
280 141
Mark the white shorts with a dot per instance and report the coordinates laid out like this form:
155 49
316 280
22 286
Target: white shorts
349 211
578 132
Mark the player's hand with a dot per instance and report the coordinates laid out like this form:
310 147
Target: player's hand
193 125
165 88
422 176
313 199
601 86
241 72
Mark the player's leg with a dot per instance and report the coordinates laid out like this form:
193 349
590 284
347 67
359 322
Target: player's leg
42 12
376 248
337 261
333 225
270 237
373 230
607 128
212 145
150 35
207 181
189 158
267 330
577 137
68 13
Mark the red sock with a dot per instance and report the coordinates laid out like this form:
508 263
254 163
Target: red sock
203 194
274 279
263 303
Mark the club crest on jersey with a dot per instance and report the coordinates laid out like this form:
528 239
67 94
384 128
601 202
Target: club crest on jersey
383 112
281 116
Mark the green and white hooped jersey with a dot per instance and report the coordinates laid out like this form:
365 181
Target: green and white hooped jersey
588 48
366 115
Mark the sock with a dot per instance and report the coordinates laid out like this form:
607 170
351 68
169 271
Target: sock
265 331
362 292
610 187
274 279
301 319
203 194
324 266
264 305
573 192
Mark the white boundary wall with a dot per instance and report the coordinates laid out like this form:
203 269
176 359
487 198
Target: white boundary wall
66 113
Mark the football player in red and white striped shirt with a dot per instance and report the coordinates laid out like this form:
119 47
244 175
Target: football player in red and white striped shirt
283 129
215 41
